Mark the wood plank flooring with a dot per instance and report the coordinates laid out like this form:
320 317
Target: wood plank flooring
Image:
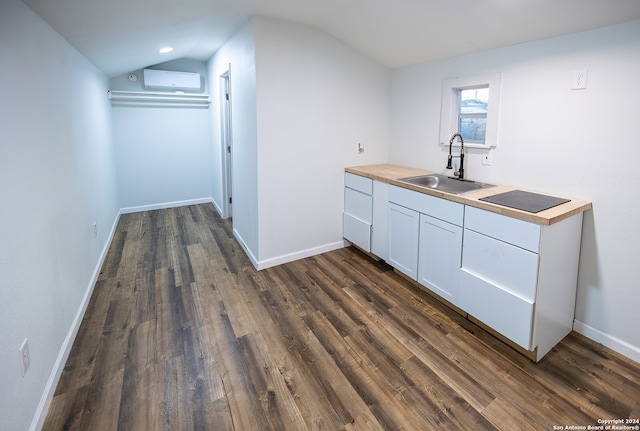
182 333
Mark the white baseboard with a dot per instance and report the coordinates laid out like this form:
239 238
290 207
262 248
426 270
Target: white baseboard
624 348
279 260
164 205
218 209
250 255
47 396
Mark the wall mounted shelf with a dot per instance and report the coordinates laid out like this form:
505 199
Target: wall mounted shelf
145 98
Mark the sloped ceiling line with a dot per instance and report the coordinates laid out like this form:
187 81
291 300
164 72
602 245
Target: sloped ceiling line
119 36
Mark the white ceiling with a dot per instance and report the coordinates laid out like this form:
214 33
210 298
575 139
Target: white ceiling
120 36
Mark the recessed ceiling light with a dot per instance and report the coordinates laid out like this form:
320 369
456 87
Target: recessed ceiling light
165 50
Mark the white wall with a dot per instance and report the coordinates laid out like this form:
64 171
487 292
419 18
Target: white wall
163 155
239 52
317 99
301 102
56 178
580 143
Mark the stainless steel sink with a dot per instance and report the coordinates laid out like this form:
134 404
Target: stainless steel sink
445 183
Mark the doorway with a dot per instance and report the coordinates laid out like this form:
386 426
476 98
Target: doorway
226 141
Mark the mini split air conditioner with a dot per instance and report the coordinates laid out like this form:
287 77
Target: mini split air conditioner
171 80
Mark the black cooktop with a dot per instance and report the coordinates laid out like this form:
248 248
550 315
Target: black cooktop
525 201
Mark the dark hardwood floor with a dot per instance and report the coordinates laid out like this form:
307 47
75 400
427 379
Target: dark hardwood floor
182 333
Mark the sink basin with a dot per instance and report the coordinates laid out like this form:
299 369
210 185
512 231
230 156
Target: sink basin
445 184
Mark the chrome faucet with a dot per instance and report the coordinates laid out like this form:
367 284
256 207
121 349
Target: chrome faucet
459 173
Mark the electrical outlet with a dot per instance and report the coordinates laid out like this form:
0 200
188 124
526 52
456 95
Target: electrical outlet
579 79
25 356
360 148
95 229
487 158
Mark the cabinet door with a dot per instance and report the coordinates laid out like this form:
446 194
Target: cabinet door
439 257
403 228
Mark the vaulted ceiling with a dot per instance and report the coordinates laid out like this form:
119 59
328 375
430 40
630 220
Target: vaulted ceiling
124 35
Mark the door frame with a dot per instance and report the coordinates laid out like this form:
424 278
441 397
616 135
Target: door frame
226 143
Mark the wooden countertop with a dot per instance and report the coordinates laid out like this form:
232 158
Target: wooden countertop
391 173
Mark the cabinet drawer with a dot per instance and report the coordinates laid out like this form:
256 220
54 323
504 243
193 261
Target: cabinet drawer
517 232
507 314
357 231
359 205
451 212
511 268
356 182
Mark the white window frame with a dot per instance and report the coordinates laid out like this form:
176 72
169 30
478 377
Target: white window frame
449 114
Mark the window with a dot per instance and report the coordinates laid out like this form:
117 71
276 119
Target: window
472 114
470 107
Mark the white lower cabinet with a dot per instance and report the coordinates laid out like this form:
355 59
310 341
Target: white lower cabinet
520 280
358 210
516 277
498 279
365 214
